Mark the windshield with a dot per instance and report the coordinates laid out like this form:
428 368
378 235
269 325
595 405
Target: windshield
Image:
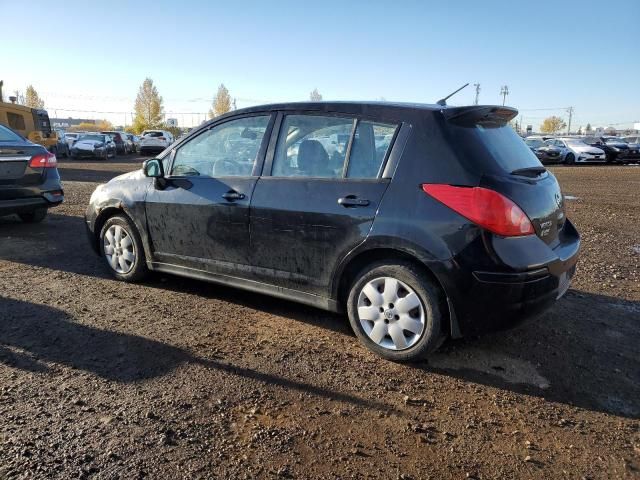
575 143
72 135
152 134
7 135
97 138
613 140
534 142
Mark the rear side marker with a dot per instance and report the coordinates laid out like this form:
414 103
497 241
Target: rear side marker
486 208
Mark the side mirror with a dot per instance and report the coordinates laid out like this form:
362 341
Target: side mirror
153 168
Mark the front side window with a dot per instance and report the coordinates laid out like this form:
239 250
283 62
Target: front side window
228 149
370 146
312 146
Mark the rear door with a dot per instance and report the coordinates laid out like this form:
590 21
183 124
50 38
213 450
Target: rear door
201 218
317 197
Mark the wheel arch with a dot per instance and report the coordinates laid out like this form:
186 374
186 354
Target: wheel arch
118 209
355 263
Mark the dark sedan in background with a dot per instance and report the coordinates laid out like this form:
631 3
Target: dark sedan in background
546 153
616 149
29 180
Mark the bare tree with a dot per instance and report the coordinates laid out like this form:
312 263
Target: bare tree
315 96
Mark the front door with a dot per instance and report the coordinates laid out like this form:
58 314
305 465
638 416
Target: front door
201 218
320 200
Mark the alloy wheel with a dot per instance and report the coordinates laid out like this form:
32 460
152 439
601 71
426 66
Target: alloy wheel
391 313
119 249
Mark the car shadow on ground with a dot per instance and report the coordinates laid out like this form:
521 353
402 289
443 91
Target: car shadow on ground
583 352
32 336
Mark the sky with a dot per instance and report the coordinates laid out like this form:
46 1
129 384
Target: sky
88 59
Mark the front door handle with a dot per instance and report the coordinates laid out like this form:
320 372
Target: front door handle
353 201
232 196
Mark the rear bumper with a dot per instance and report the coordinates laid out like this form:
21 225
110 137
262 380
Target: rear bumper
29 204
528 278
24 199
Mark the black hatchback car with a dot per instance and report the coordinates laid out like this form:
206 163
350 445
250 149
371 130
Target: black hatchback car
420 221
29 180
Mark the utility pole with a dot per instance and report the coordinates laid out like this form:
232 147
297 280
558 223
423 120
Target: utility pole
570 112
477 85
504 91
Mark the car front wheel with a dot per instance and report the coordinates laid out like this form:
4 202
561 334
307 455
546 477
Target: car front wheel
121 247
394 309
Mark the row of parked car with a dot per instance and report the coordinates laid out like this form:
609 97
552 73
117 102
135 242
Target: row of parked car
572 150
105 145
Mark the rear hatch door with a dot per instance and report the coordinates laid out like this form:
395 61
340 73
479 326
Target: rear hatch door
491 148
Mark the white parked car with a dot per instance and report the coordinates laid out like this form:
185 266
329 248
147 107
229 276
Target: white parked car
71 138
154 141
574 150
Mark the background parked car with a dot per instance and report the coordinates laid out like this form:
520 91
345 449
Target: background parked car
573 150
545 153
29 180
155 141
135 142
94 145
121 141
71 138
616 149
61 148
634 147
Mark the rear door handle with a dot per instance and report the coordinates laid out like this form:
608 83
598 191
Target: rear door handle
233 196
352 201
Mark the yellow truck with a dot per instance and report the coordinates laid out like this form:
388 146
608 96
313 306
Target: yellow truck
31 123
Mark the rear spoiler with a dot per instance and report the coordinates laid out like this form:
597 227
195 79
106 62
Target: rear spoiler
479 114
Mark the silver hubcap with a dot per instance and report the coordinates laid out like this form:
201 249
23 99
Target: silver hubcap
391 313
119 249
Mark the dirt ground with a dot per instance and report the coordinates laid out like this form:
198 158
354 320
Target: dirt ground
175 378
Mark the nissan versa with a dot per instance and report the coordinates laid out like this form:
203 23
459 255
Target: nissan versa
420 221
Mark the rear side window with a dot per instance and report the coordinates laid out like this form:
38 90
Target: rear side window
312 146
370 146
492 147
16 121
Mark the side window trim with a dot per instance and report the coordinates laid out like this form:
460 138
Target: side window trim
347 156
258 165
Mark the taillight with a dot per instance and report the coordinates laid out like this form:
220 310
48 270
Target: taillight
486 208
44 160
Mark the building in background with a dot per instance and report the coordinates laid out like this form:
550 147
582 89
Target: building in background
69 122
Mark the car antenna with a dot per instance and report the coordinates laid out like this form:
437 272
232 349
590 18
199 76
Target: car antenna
443 101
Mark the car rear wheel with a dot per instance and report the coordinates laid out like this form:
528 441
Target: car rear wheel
570 159
394 310
121 247
35 216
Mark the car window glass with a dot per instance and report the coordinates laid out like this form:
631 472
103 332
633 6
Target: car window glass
228 149
370 145
7 135
16 121
312 146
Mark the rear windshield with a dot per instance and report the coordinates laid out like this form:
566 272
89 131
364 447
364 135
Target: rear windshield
493 145
152 134
7 135
99 138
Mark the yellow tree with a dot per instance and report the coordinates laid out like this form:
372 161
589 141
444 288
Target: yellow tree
221 102
32 99
552 124
148 107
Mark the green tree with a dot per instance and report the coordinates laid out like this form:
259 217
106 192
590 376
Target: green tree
32 99
552 124
315 96
221 102
148 107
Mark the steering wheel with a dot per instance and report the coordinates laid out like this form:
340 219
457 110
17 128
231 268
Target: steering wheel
227 165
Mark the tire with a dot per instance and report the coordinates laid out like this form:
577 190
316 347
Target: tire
383 333
570 159
127 270
35 216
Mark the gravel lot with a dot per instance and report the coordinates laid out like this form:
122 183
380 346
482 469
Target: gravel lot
175 378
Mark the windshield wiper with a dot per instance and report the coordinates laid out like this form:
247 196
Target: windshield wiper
529 171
